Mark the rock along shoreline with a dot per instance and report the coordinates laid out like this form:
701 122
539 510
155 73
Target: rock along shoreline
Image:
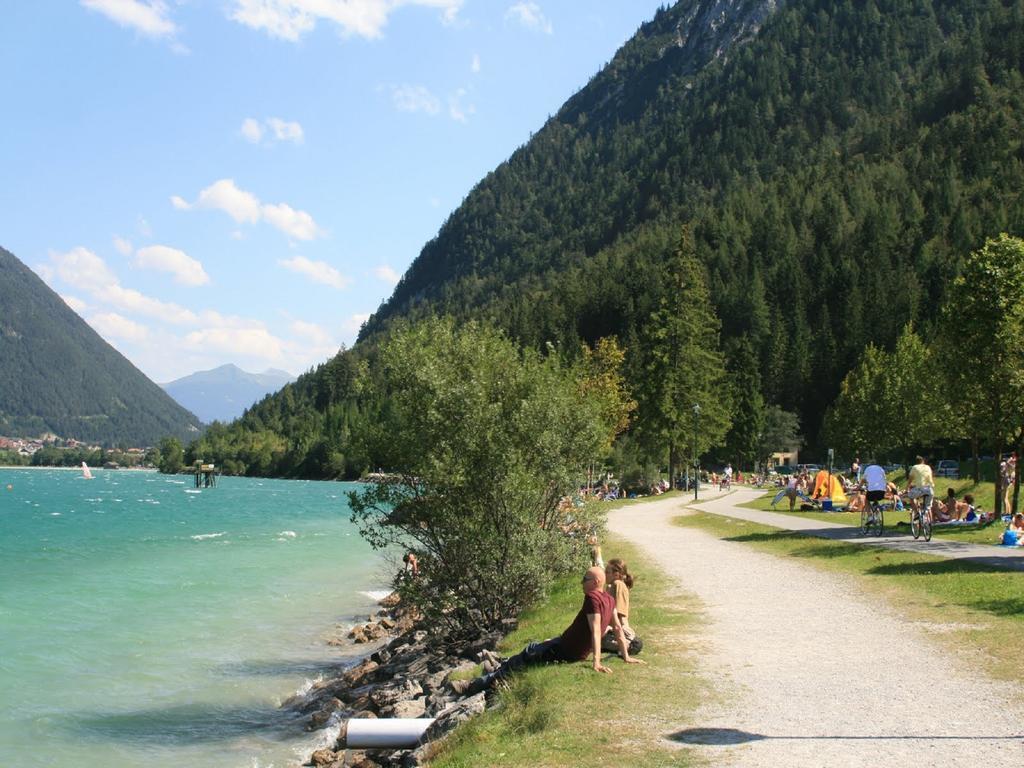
406 676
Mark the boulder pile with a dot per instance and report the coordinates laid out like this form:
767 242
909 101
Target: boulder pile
405 677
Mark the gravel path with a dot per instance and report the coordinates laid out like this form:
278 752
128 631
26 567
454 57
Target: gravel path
788 648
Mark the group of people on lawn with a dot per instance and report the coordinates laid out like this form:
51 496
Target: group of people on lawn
872 485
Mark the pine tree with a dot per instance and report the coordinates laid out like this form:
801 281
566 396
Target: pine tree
682 365
749 411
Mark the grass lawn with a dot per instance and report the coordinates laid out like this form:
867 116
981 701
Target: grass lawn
977 610
567 714
984 497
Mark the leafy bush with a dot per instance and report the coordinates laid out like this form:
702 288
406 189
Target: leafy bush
480 442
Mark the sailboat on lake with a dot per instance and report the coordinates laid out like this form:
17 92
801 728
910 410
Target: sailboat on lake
86 474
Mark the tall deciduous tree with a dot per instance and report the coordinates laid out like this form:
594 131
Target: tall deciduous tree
480 442
984 333
682 365
171 455
889 402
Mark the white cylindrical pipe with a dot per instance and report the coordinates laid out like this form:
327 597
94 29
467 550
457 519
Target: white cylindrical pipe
384 733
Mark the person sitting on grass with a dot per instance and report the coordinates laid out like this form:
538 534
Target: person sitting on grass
1013 536
958 510
892 491
580 640
940 511
619 583
857 502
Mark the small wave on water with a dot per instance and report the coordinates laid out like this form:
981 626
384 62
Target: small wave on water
376 594
202 536
55 514
288 534
307 685
191 491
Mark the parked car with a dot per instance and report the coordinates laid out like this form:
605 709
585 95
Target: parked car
783 469
948 468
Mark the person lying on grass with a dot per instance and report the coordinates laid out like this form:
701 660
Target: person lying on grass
580 640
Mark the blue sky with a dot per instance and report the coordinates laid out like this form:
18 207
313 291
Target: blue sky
214 181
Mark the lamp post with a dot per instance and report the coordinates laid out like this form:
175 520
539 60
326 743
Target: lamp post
696 463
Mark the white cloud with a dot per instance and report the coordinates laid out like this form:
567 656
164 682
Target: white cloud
285 130
131 300
450 13
317 271
83 269
387 274
274 128
456 109
223 195
290 19
415 98
123 245
313 333
255 341
147 18
474 65
355 322
185 269
111 325
75 303
298 224
252 130
530 15
245 207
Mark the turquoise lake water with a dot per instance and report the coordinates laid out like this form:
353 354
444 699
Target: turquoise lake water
143 622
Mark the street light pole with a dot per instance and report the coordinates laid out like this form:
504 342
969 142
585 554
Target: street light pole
696 463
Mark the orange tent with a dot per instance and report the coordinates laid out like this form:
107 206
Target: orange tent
828 486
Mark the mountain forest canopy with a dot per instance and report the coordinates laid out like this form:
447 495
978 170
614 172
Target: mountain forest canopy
835 161
58 376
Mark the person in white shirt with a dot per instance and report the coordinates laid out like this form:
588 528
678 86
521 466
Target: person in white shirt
874 483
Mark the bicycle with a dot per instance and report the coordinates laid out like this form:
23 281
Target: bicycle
921 517
872 521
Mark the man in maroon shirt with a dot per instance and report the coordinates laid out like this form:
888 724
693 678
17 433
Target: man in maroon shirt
581 639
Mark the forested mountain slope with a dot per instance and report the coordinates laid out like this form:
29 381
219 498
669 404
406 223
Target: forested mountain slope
837 161
837 167
57 375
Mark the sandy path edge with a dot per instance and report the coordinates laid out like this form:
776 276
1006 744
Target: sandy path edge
788 646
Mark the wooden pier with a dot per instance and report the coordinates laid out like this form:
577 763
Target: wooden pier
206 475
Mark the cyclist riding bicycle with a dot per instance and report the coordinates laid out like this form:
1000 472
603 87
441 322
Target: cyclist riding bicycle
874 483
920 483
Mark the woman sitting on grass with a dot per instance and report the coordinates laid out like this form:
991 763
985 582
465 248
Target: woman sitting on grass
892 491
857 502
1013 536
618 583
